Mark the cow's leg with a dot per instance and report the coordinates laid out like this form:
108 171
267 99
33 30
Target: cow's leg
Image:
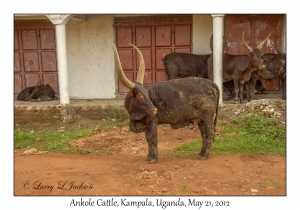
252 84
151 137
247 87
46 98
172 71
236 89
207 130
241 89
34 100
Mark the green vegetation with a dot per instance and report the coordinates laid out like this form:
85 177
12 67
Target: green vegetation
50 140
250 134
115 113
247 135
58 141
183 189
271 183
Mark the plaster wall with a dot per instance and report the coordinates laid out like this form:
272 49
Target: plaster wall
202 31
90 58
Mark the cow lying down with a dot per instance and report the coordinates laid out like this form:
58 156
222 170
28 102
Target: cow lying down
37 93
176 102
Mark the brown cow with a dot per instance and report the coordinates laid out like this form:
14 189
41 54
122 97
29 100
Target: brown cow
176 102
239 68
275 68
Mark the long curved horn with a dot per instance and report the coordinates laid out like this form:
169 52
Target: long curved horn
141 72
120 72
277 48
263 42
248 48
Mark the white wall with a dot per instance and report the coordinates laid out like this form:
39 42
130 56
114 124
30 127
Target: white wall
90 58
202 31
91 70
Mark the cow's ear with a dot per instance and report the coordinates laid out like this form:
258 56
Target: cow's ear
147 87
127 100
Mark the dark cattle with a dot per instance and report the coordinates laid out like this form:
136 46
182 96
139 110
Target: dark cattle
183 65
228 89
25 95
176 102
239 68
275 68
37 93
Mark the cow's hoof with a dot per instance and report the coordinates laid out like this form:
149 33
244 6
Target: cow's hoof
148 158
152 161
202 157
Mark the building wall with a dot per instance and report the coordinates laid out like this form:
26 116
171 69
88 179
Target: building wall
202 31
90 55
90 58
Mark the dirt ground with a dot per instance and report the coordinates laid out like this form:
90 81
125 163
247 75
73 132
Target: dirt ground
125 172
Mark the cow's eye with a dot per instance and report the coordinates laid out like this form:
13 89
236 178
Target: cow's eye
140 96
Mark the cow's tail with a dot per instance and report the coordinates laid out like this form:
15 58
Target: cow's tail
217 107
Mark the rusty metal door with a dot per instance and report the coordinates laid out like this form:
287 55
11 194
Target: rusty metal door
155 36
257 28
34 54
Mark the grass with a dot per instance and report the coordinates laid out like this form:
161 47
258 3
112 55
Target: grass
247 135
56 141
48 140
115 113
250 134
183 189
271 183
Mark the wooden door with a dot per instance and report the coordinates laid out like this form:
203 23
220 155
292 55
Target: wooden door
155 36
257 28
34 54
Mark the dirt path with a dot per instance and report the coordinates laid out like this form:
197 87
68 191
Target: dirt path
124 171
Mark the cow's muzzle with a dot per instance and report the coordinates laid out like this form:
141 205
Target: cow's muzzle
262 67
153 112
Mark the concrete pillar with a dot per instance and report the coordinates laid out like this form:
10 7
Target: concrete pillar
218 21
61 49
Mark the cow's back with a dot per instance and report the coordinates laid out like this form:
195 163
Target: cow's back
181 100
234 66
184 65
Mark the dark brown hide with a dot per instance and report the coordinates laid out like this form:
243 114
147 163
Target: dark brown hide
138 104
37 94
178 102
175 102
183 65
237 68
275 68
229 92
25 94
